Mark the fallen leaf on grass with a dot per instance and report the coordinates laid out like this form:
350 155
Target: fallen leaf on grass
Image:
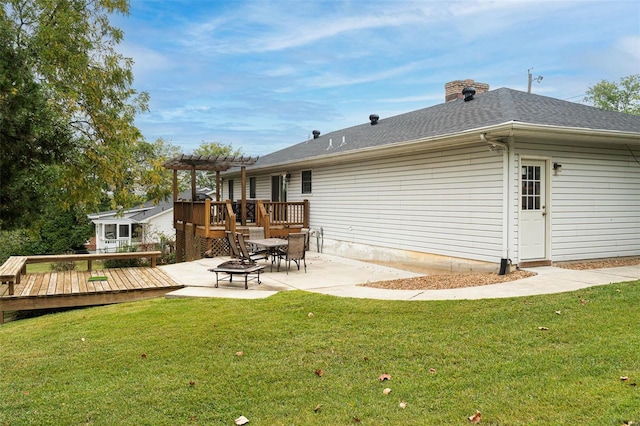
319 372
239 353
403 405
192 383
83 339
242 420
386 391
475 419
356 420
624 378
384 377
543 328
310 314
317 408
583 302
432 370
558 312
143 356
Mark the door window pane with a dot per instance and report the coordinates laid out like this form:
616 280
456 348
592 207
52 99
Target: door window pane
531 189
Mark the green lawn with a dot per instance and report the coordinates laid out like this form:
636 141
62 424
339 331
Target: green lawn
80 266
176 362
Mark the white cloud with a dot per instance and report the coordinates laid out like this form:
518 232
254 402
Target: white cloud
261 74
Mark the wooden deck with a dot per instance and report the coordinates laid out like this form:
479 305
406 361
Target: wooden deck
50 290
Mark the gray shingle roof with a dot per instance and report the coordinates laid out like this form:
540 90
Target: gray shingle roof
149 209
486 109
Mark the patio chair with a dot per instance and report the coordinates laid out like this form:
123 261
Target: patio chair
233 245
244 251
256 233
295 251
307 236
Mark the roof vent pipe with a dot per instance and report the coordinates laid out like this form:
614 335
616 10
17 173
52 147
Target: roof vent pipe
468 93
374 119
316 134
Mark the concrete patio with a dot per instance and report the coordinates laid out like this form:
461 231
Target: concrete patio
338 276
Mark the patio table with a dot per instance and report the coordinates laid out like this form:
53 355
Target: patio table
271 244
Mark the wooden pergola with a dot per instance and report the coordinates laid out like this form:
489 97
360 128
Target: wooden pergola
216 163
193 220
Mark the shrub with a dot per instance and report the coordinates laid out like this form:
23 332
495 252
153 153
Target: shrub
124 263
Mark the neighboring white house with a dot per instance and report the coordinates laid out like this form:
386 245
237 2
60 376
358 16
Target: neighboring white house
502 176
143 224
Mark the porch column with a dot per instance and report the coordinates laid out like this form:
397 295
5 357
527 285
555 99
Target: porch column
218 185
180 247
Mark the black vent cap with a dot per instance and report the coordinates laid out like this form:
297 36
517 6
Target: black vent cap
374 119
468 93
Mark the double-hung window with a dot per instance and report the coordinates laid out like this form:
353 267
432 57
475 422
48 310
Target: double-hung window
306 181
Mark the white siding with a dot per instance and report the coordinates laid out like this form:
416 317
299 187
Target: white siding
447 202
161 224
595 200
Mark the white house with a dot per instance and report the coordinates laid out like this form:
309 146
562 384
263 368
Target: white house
485 179
143 224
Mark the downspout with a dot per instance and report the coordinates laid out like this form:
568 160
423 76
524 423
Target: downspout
504 147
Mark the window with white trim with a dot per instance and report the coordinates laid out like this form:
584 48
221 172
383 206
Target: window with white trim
306 181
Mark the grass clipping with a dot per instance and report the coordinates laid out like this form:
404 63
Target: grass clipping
448 281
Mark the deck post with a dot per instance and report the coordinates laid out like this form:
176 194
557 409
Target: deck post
218 185
243 204
305 220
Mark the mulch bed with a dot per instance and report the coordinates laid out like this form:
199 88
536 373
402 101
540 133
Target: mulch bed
441 281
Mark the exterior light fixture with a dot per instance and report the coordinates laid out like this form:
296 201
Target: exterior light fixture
557 167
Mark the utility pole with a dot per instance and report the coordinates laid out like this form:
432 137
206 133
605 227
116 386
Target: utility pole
538 79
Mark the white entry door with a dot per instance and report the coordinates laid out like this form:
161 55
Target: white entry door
533 211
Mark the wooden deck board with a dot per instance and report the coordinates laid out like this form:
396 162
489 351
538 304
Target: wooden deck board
159 277
66 282
120 280
75 282
145 279
42 291
53 283
35 290
28 283
73 288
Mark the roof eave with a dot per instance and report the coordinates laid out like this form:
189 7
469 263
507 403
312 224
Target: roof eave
577 134
467 137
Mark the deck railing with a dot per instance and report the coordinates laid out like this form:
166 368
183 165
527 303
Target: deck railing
220 214
286 213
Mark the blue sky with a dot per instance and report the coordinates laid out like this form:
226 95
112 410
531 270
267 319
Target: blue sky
261 75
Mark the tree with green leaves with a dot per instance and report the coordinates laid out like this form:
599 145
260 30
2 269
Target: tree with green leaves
623 96
32 135
66 69
213 149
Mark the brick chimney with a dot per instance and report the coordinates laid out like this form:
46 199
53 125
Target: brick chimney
453 89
